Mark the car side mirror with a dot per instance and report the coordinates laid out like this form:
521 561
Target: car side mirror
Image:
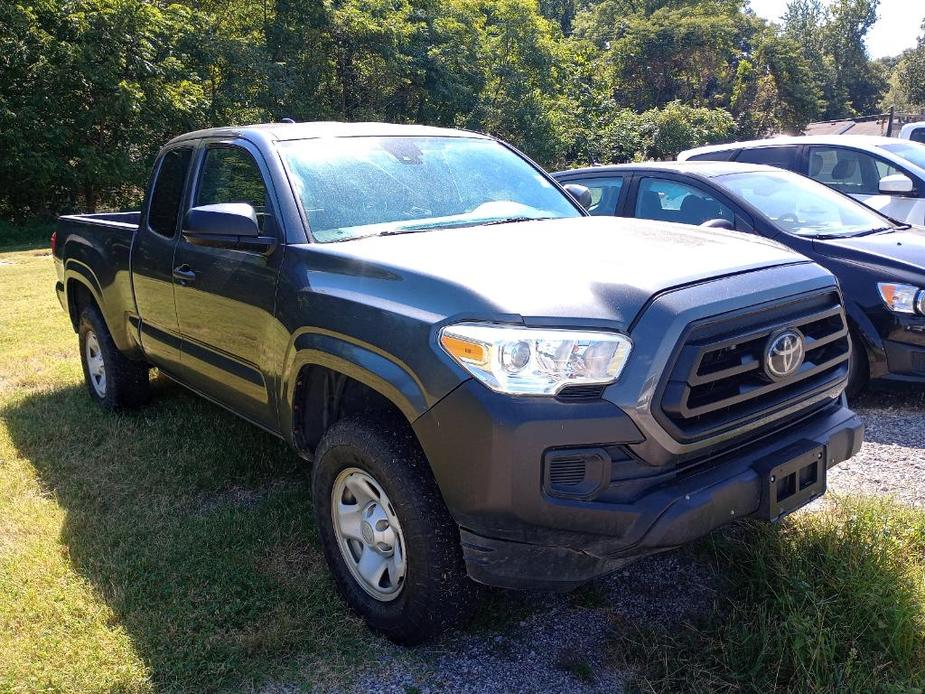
581 194
226 225
719 223
896 184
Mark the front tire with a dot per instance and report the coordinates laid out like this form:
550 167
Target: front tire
113 381
388 537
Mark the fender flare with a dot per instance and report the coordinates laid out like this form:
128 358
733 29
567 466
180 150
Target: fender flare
362 362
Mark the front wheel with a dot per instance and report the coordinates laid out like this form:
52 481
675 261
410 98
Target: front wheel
391 544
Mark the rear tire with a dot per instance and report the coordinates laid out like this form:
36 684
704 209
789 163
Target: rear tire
113 381
858 368
409 548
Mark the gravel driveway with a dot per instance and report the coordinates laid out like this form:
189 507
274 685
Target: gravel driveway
543 642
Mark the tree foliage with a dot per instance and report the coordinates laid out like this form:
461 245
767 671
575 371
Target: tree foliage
89 89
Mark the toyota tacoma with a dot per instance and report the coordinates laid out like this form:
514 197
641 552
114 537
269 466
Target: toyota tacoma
492 386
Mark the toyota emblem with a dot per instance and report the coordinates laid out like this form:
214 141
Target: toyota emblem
784 354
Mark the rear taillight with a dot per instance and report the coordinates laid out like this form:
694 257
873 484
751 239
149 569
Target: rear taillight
54 243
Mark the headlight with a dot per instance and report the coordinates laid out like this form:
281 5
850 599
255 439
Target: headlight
902 298
535 361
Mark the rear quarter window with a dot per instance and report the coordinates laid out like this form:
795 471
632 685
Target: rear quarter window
781 157
168 191
722 155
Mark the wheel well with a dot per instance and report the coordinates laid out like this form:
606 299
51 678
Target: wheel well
78 298
323 396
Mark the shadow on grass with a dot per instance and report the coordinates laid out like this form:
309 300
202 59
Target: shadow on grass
195 527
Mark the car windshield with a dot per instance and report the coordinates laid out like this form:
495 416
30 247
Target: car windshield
352 187
910 151
802 206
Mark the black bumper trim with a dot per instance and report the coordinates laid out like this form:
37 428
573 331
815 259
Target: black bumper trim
676 514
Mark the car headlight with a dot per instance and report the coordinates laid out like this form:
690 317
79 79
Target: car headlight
535 361
902 298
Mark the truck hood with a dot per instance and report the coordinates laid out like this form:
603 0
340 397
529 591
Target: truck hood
893 250
591 269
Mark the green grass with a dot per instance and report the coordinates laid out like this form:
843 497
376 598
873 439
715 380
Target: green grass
832 601
171 548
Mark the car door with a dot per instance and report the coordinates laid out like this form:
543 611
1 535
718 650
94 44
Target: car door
668 198
225 296
858 174
152 258
606 191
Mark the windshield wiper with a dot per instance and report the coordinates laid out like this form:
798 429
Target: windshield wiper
868 232
511 220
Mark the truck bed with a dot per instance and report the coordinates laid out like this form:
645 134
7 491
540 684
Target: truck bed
95 250
128 220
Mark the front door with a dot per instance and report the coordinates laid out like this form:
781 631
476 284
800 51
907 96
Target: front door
152 259
225 298
858 174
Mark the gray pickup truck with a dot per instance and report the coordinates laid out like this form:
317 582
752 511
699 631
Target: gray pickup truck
490 384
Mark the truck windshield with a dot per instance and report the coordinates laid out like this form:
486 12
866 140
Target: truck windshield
352 187
802 206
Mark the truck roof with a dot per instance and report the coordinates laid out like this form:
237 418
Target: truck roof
304 131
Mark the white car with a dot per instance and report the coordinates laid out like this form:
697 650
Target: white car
913 131
885 173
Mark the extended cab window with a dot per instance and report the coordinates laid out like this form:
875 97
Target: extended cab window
848 170
781 157
168 191
673 201
605 193
230 174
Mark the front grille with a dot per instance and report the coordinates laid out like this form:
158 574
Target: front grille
717 381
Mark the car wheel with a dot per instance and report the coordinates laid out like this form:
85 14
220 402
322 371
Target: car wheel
113 381
391 544
858 369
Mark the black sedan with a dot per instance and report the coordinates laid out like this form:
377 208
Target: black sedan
879 262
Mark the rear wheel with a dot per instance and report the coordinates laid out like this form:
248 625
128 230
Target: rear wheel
113 381
391 544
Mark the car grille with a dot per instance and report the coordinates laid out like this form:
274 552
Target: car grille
717 381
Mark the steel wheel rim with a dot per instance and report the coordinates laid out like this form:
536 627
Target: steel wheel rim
368 534
96 366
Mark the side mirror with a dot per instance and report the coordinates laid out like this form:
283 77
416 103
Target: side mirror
719 223
581 194
897 184
230 225
226 219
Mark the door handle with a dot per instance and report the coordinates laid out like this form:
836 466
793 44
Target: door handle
184 274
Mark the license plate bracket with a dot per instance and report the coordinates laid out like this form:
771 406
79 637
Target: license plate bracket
794 483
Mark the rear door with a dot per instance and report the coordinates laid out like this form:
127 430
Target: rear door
226 297
152 257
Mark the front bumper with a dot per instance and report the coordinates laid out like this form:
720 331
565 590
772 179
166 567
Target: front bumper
487 457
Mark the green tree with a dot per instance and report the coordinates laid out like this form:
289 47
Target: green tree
89 91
